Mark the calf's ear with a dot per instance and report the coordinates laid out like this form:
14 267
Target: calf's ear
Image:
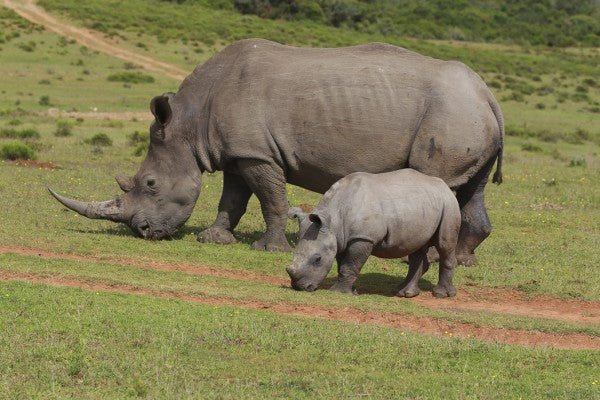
319 219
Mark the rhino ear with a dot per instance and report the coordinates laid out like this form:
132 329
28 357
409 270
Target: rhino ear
161 109
125 182
319 220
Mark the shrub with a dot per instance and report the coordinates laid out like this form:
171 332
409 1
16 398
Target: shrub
64 127
99 139
138 137
44 100
27 133
531 148
141 149
578 162
540 106
130 77
14 122
17 151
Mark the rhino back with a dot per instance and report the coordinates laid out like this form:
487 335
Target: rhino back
324 113
399 211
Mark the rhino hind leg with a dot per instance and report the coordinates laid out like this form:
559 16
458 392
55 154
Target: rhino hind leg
232 206
475 224
267 181
417 266
448 262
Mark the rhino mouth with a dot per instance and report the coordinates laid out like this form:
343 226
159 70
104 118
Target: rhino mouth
304 287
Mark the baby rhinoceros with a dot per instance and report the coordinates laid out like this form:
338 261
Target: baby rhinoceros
389 215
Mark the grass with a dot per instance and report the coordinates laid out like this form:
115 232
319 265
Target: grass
68 343
72 343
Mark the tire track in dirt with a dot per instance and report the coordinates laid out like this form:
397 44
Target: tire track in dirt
191 269
500 301
31 12
422 325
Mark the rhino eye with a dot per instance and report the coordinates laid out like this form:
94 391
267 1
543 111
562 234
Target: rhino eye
150 182
317 259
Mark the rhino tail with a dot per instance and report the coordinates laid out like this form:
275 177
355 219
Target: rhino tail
497 178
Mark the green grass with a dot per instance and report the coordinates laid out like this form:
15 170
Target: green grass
60 343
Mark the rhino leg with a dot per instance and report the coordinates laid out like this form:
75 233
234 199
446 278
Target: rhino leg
232 206
350 262
448 262
417 266
267 181
475 223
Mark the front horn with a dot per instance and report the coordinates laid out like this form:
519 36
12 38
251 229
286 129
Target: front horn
110 209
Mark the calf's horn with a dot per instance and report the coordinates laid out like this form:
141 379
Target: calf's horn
110 209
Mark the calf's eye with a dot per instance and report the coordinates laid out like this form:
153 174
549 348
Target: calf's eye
317 259
150 182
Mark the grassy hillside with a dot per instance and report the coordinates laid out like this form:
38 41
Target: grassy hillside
551 23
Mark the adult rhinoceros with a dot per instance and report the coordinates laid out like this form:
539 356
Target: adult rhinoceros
266 114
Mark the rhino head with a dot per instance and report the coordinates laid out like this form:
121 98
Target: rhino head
161 196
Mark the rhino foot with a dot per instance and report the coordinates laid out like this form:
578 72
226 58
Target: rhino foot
468 260
216 235
444 291
341 288
408 292
263 245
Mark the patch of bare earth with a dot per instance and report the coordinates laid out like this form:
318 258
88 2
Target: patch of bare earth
35 164
423 325
500 301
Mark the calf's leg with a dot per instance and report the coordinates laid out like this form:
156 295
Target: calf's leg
232 206
448 262
350 262
417 266
267 182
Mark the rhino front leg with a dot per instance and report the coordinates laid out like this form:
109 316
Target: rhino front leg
417 266
350 262
267 181
232 206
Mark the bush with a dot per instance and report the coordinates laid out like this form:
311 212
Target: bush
28 133
531 148
578 162
17 151
540 106
44 100
138 137
130 77
64 127
99 139
141 149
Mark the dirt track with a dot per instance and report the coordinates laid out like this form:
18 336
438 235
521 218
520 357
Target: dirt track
94 40
496 300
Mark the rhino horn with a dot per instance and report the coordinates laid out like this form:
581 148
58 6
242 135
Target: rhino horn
111 209
125 182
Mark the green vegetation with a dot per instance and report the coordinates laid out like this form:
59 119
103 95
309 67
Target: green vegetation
27 133
130 77
16 151
99 139
556 23
61 343
64 127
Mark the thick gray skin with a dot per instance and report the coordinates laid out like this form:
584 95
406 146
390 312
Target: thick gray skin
267 114
389 215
